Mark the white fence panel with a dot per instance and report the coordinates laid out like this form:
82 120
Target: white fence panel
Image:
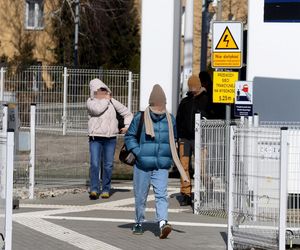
60 95
255 182
2 185
293 185
6 187
211 171
59 92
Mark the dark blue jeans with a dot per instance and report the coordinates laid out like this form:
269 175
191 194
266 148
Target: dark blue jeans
102 150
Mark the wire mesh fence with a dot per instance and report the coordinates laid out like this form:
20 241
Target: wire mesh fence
293 178
60 95
35 84
6 187
2 182
255 187
293 185
213 163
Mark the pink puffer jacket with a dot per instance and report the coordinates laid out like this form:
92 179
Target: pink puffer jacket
102 113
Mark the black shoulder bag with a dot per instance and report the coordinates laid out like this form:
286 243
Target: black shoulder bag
119 117
126 156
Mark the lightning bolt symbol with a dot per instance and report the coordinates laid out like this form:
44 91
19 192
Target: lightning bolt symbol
225 40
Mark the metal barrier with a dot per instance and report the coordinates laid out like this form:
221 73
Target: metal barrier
6 187
60 95
210 167
254 188
2 186
59 92
50 118
3 149
292 204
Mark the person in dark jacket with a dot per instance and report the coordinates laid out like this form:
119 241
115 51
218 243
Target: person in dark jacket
154 153
214 110
195 102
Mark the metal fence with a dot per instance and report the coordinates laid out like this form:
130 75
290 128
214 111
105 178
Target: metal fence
6 187
2 185
253 178
61 93
254 188
211 166
293 185
293 179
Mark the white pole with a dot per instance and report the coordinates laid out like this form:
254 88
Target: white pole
283 187
9 190
250 121
188 44
197 163
256 120
230 190
5 118
129 102
64 118
32 150
3 152
2 84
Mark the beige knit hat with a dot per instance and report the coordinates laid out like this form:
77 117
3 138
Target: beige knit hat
157 96
194 83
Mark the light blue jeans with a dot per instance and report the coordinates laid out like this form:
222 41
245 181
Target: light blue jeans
101 150
142 181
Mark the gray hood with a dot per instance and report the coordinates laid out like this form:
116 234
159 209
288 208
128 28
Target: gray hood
96 84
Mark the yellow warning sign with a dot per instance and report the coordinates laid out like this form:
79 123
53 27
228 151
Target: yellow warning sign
227 41
224 86
226 60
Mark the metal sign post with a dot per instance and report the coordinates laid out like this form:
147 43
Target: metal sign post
227 47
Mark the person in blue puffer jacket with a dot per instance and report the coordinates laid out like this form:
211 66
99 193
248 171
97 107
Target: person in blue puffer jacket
155 153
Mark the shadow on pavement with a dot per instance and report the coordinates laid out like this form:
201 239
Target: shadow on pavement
116 190
152 227
224 236
149 226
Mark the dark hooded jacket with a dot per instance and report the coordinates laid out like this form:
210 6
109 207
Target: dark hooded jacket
188 107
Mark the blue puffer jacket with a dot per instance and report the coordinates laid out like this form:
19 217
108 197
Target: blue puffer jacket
151 153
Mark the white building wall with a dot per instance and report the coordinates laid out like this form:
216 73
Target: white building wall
273 48
160 50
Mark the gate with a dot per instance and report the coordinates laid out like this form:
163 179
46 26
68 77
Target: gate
257 175
211 167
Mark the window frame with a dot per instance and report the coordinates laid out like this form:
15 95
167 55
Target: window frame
38 13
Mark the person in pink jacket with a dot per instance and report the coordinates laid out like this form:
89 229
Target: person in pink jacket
103 130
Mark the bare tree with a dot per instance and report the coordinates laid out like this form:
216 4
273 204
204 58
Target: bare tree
108 34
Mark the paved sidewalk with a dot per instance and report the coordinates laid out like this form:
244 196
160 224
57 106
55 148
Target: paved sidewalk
73 221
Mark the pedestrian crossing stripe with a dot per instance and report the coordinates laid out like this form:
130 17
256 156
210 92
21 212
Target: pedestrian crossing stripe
227 41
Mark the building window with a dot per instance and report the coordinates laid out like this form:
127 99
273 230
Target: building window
34 16
282 11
